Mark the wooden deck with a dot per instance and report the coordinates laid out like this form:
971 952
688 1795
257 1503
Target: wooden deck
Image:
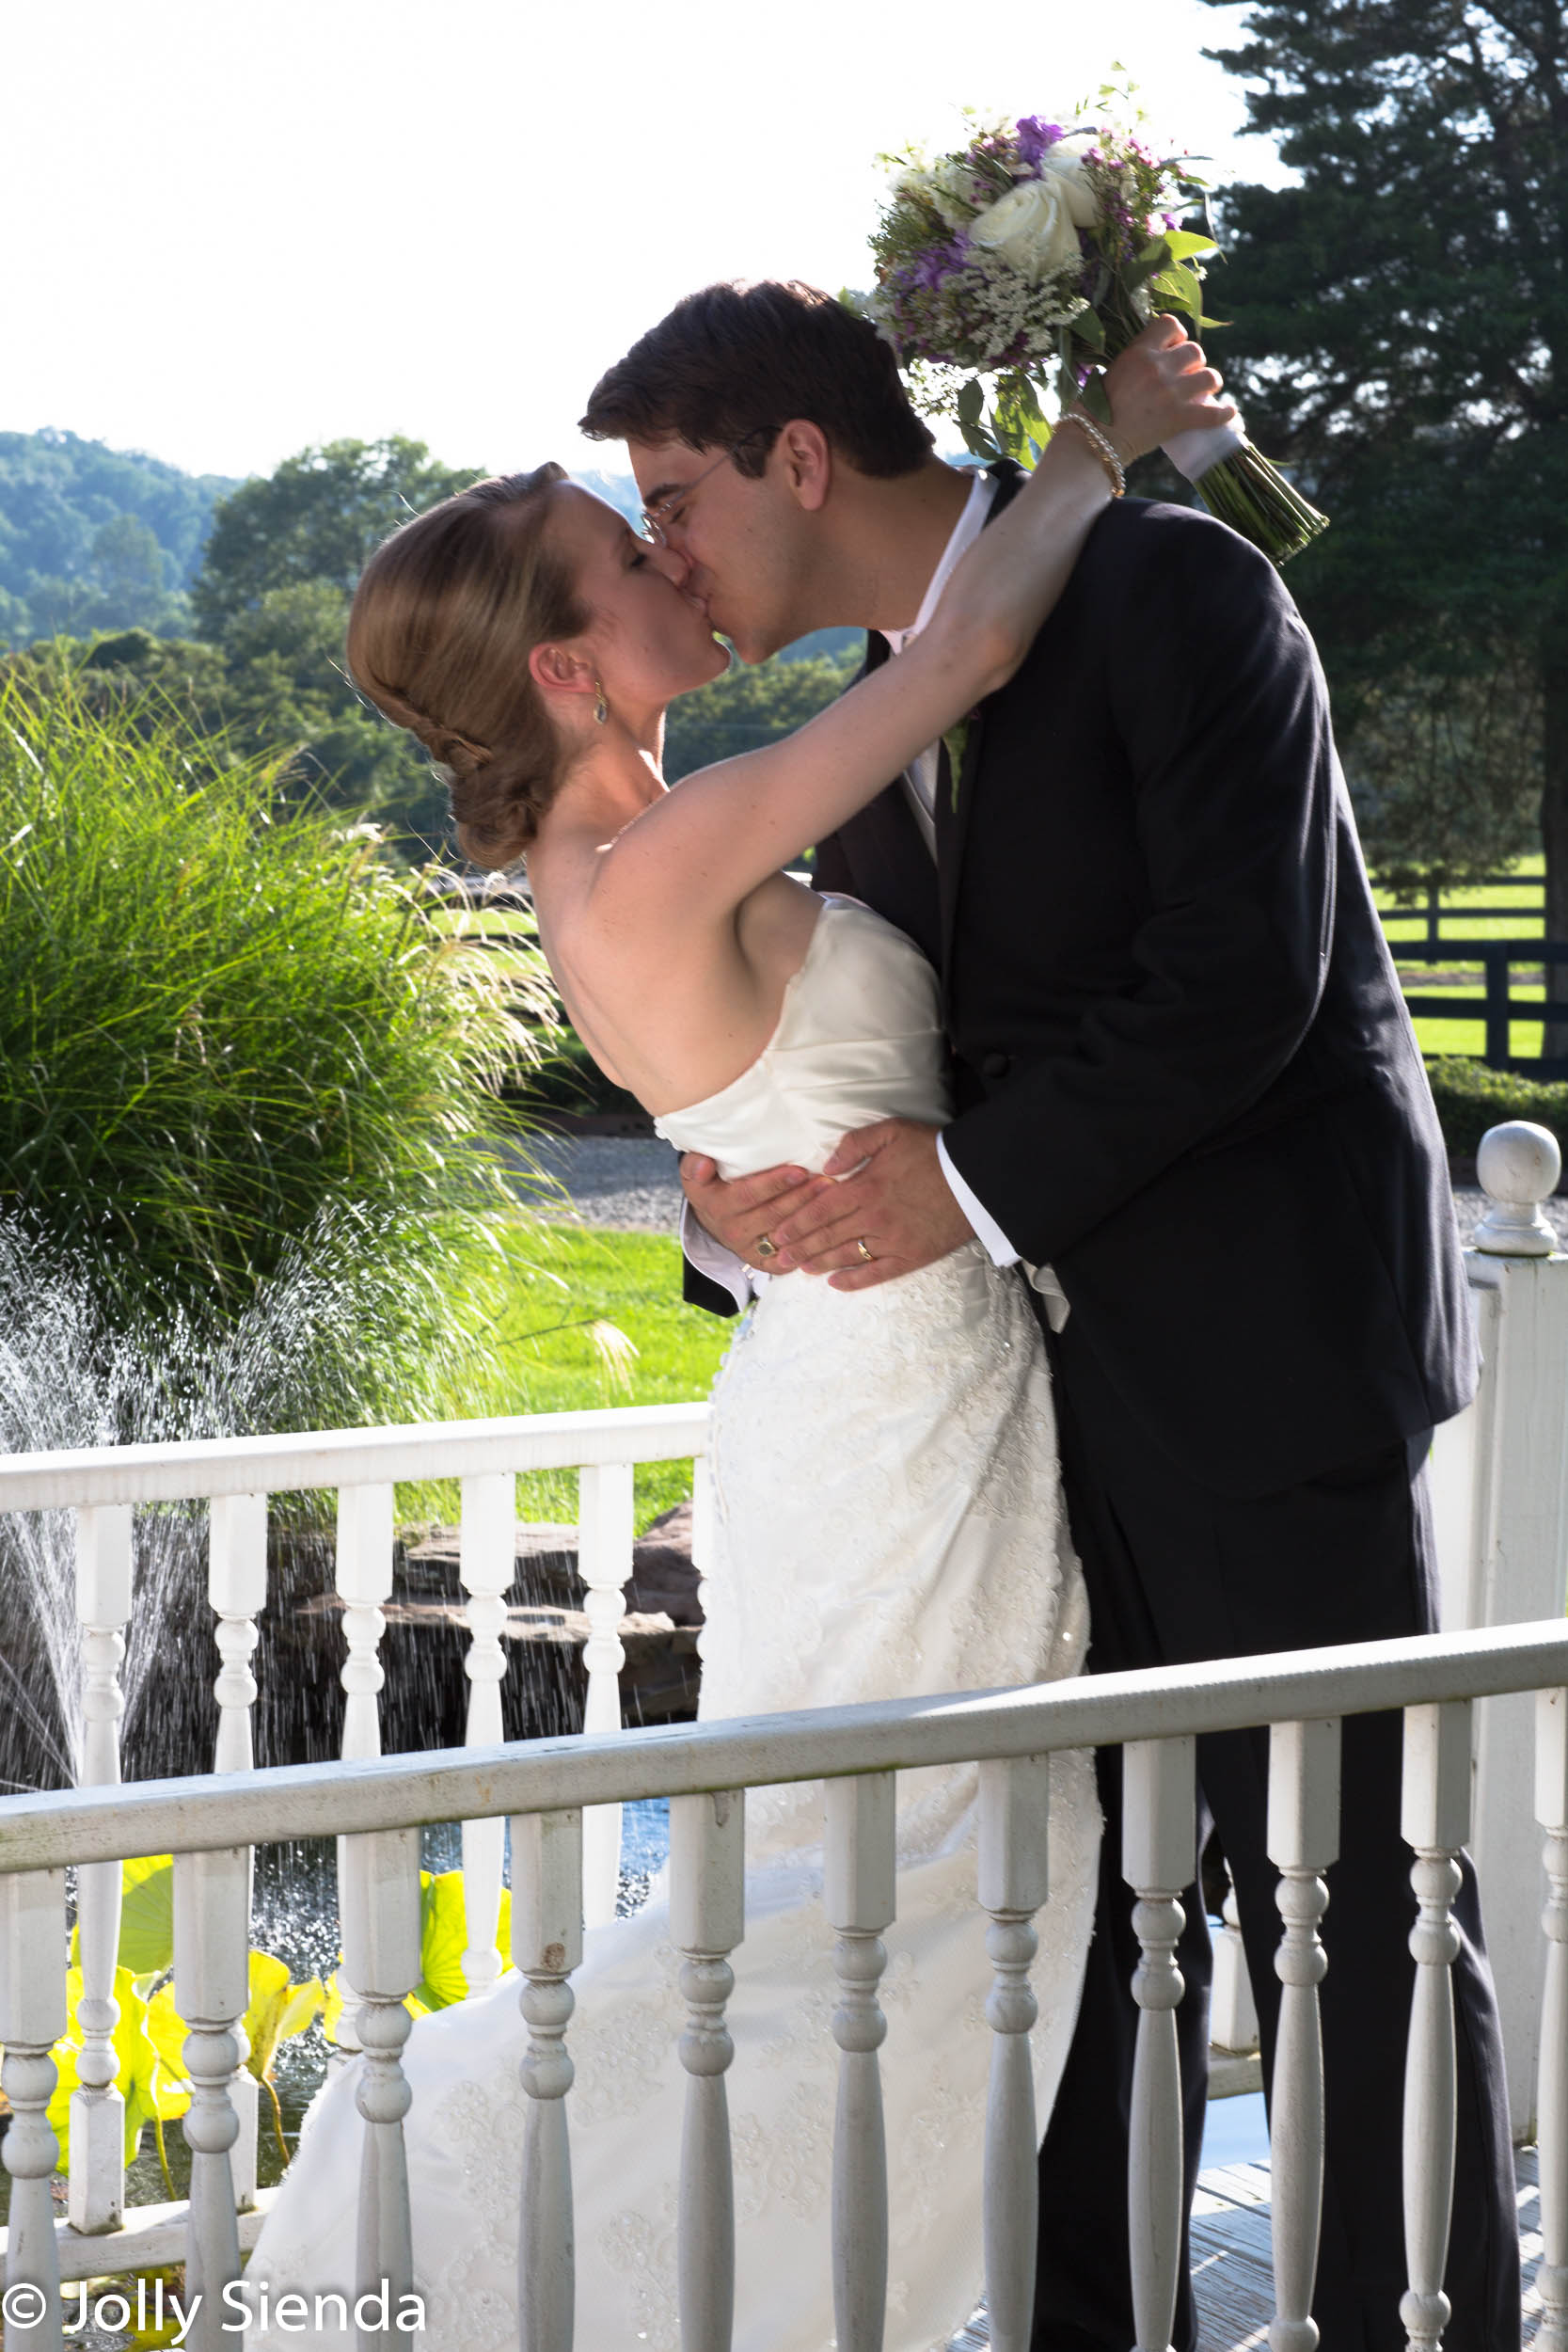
1232 2261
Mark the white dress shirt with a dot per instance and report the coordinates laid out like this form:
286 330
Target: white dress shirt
709 1256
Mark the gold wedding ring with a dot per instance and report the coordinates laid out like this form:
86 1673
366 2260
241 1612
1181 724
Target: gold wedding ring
866 1258
765 1246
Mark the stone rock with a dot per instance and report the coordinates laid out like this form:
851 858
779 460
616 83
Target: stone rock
545 1633
662 1579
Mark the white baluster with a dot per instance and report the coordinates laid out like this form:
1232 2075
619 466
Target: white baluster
546 1945
32 2019
708 1919
379 1880
1158 1850
1015 1818
606 1519
212 1938
1233 2010
1303 1840
703 1508
1435 1819
364 1577
97 2193
488 1558
859 1899
1551 2104
364 1581
237 1589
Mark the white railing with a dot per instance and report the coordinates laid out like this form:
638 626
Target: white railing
1499 1485
102 1488
377 1807
1501 1491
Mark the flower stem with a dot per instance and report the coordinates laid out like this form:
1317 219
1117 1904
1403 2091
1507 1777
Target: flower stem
1255 498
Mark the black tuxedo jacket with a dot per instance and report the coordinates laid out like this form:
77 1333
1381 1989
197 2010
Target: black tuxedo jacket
1184 1073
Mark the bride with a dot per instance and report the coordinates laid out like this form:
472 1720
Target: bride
888 1518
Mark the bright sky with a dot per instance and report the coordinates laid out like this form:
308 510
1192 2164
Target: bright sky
235 230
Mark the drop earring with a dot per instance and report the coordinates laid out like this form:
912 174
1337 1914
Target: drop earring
601 708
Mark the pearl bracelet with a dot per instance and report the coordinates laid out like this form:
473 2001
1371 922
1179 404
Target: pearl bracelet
1104 448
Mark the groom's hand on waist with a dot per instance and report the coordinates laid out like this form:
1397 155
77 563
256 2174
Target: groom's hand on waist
891 1209
741 1212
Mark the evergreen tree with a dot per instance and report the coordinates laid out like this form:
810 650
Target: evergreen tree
1402 336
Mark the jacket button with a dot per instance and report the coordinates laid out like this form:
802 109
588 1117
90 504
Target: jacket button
995 1065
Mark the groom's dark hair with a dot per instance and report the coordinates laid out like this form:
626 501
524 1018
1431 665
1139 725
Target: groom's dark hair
731 365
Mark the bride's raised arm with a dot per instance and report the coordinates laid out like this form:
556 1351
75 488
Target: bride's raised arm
726 827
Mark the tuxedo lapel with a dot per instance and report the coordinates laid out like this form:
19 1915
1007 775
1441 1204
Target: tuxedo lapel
880 855
956 796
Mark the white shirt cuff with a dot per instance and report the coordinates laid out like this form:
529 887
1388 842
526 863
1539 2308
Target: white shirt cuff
1193 454
998 1249
719 1264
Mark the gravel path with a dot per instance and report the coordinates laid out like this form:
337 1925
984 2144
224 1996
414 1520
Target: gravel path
630 1182
625 1180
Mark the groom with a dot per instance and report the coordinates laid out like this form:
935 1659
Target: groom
1186 1084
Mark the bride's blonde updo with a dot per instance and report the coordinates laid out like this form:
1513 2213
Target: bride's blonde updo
445 616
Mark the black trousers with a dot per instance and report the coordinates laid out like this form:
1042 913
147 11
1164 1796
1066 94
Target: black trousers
1176 1573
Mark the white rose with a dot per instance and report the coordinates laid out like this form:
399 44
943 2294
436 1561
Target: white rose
949 191
1032 228
1066 162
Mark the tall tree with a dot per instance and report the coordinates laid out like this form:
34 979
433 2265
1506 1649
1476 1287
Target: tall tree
1401 335
316 519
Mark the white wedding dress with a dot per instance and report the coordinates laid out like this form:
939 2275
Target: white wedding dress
888 1524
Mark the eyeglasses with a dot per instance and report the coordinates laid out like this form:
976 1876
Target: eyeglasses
657 520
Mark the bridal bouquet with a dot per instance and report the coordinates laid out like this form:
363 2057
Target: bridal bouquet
1033 256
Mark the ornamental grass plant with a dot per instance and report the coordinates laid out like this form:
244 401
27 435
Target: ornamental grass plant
231 1032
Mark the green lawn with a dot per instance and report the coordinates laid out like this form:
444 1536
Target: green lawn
1465 911
543 1357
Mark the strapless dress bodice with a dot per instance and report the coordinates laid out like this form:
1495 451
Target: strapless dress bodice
859 1038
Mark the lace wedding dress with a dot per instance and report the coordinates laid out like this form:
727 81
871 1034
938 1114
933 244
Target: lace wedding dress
888 1524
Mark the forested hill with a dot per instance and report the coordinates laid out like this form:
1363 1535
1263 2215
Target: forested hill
96 537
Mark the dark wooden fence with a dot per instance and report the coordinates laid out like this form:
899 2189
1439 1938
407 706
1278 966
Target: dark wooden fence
1446 942
1499 1005
1434 910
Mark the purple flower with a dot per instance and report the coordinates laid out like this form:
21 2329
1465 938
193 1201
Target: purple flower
938 262
1035 137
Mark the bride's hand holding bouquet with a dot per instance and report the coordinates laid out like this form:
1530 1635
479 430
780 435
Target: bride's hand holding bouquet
1030 258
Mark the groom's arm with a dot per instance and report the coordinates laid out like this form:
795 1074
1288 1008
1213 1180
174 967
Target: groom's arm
1223 715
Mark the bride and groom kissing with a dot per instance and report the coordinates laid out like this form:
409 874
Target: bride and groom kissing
1074 1144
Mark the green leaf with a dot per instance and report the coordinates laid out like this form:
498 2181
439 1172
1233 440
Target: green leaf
147 1915
444 1937
1179 289
1089 328
151 2081
956 738
1096 399
278 2009
972 399
1019 422
1184 243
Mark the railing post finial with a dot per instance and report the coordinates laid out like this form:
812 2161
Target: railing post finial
1518 1165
